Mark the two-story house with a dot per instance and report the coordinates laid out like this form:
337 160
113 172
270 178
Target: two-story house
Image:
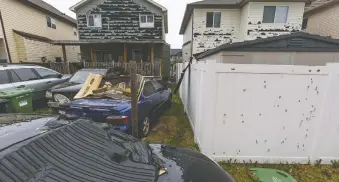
322 17
122 30
28 28
211 23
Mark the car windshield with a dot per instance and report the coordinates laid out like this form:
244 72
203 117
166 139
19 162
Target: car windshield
81 76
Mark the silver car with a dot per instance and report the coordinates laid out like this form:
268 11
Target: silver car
36 77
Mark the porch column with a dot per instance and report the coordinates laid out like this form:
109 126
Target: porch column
125 53
92 56
64 52
152 53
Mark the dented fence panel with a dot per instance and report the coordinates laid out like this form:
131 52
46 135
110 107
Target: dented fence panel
264 113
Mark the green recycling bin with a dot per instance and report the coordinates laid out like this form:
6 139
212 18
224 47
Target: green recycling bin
268 175
20 100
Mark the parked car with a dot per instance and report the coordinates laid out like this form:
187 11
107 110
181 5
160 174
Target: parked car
154 98
36 77
47 148
66 91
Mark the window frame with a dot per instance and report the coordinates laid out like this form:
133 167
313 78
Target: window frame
21 80
146 24
143 89
94 25
56 75
213 23
53 22
275 13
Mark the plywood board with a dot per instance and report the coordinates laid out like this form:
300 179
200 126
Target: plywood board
92 83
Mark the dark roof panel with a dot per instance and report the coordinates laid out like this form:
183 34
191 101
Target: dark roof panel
295 42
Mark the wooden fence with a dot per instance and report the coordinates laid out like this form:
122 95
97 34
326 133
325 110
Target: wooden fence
143 68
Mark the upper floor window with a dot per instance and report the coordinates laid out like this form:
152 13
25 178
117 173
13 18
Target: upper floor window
213 19
304 25
147 21
51 22
94 20
275 14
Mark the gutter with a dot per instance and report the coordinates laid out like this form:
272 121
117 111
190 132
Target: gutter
5 37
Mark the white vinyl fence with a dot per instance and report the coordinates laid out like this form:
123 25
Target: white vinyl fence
263 113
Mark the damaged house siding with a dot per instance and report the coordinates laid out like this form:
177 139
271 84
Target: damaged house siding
208 38
187 37
120 20
256 29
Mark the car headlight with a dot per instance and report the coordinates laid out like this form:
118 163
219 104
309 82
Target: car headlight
49 95
61 98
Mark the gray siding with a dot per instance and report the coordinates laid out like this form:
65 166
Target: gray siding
120 20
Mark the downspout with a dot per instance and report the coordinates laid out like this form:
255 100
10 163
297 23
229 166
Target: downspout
192 43
5 37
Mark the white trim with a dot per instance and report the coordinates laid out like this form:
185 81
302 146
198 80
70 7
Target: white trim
146 24
87 19
72 8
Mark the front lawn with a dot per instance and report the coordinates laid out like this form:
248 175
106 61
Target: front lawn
174 129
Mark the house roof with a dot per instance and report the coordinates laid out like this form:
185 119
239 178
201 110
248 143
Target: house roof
49 9
82 2
32 36
317 5
175 52
162 8
295 42
218 4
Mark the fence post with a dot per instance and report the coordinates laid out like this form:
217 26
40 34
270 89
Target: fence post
135 123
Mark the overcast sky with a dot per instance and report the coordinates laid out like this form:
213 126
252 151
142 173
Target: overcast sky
176 9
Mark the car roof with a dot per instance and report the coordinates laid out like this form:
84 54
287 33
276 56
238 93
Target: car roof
15 66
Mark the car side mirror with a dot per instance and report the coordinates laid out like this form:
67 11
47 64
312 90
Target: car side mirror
60 75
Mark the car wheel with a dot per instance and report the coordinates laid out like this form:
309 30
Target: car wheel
144 127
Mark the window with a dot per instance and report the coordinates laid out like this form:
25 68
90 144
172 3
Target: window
275 14
25 74
146 21
75 32
136 55
148 89
14 76
157 86
94 20
51 23
213 19
4 77
45 73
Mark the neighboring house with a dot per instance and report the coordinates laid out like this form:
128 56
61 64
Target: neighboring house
211 23
121 30
298 48
322 17
29 26
176 55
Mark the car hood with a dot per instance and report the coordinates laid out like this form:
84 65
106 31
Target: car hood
67 87
109 104
187 165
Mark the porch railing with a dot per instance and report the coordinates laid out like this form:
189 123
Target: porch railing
143 68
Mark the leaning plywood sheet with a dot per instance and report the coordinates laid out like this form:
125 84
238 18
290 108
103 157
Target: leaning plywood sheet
92 83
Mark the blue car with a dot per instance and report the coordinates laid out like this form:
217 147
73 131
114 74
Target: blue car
154 99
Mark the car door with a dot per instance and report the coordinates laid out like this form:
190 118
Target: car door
5 83
150 99
27 78
162 95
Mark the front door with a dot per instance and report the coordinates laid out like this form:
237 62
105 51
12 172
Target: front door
136 55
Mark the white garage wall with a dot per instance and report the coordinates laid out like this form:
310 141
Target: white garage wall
264 113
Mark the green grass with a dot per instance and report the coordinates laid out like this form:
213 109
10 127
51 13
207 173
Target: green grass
174 129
